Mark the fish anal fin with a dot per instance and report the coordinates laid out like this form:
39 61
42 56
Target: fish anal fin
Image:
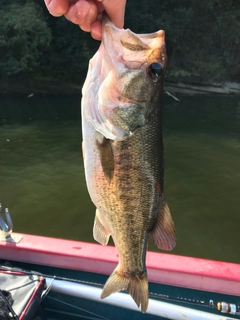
100 234
163 233
136 286
107 158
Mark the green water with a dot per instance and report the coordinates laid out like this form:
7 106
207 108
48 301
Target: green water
42 178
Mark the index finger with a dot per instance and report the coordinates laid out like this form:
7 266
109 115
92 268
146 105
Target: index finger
57 7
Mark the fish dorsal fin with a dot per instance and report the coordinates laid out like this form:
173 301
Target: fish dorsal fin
100 234
164 232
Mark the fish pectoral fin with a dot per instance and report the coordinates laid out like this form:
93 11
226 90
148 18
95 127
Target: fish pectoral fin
136 286
163 233
107 158
100 234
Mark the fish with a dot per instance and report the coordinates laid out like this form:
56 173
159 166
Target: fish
123 152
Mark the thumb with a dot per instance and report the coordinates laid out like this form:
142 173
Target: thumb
115 10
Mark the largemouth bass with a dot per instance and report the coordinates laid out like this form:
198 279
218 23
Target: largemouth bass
123 152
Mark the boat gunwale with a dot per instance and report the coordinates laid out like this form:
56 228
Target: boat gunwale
168 269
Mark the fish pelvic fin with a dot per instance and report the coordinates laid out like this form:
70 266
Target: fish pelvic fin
136 286
163 233
100 234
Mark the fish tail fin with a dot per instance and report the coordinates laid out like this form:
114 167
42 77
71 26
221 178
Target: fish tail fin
137 287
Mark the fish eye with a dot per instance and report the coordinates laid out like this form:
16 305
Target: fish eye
154 71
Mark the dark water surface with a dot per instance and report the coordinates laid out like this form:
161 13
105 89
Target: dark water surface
42 178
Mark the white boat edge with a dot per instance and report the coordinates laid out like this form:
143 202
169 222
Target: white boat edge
159 308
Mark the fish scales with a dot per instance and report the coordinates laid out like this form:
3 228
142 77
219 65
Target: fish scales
123 153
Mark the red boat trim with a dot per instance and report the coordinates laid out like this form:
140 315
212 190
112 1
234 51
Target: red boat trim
199 274
13 272
21 317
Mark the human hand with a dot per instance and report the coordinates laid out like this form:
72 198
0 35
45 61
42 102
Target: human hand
88 13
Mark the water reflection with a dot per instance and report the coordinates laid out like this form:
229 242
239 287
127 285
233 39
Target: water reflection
42 179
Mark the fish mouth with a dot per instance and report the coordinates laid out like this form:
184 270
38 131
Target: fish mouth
131 49
130 40
148 36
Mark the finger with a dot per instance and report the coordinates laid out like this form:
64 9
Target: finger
89 15
57 7
96 30
77 12
115 10
82 13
